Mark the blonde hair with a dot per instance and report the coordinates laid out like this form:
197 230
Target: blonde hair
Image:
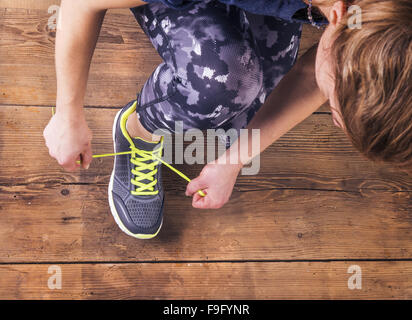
373 80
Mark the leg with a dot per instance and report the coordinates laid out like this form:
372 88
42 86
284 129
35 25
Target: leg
211 69
210 72
278 43
135 129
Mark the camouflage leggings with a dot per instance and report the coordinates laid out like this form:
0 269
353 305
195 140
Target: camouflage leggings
220 64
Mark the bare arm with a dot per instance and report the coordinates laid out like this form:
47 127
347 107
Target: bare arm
295 98
67 134
76 39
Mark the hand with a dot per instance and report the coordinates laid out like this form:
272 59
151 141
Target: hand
217 181
68 139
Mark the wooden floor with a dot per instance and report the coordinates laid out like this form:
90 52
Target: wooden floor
315 209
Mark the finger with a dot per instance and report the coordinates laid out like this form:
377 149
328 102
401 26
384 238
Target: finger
196 198
71 165
195 185
87 158
68 165
79 161
200 202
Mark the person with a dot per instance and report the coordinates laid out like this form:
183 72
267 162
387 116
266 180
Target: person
222 60
364 73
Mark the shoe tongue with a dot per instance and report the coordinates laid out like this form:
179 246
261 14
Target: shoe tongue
144 145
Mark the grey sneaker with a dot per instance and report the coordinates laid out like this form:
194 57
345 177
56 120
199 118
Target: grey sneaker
136 195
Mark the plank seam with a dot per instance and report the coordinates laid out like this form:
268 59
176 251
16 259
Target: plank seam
239 191
209 261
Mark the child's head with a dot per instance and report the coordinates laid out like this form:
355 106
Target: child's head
367 75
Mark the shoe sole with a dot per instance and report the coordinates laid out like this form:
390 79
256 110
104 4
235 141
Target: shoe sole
111 203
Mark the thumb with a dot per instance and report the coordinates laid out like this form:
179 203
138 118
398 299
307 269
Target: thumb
200 202
87 157
196 184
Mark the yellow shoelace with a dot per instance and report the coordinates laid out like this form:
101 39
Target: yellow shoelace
145 155
144 189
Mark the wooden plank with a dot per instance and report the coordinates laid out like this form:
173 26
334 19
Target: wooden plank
43 5
314 155
28 4
124 57
53 222
310 36
249 280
